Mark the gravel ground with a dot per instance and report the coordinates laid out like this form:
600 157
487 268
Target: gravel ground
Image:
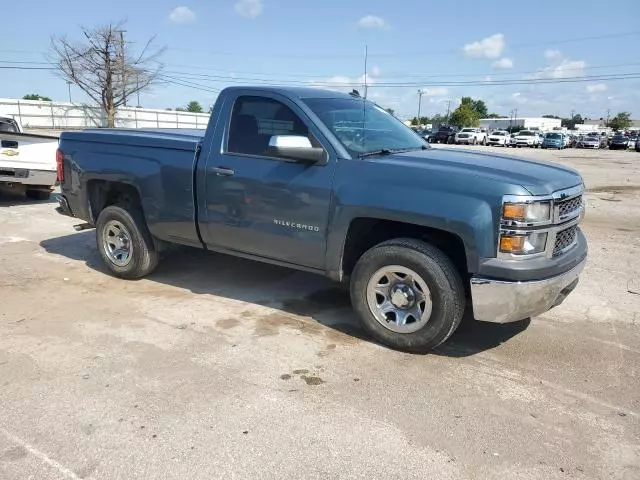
216 367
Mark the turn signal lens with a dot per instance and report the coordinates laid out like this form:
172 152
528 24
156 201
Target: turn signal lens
511 243
532 242
537 212
514 211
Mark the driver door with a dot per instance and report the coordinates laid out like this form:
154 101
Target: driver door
263 205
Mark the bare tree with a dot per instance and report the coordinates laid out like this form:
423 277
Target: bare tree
105 67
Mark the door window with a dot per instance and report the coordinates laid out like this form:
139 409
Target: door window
254 120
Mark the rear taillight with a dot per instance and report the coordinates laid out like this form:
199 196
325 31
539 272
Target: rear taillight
60 165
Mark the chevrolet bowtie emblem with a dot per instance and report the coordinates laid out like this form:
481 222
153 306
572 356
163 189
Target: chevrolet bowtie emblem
10 153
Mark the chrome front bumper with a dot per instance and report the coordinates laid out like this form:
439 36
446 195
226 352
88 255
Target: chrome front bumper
501 302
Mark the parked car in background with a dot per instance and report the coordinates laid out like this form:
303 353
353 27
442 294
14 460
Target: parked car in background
527 138
512 140
620 142
9 125
588 142
27 162
553 140
638 144
471 136
499 137
633 141
445 134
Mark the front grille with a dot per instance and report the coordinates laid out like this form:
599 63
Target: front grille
567 208
565 239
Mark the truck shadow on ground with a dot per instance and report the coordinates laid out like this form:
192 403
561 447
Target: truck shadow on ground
10 198
290 291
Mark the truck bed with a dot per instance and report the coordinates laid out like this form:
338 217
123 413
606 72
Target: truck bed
158 163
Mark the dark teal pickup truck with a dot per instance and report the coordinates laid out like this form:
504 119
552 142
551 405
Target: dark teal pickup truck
332 184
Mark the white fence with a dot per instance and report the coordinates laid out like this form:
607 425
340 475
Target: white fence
34 114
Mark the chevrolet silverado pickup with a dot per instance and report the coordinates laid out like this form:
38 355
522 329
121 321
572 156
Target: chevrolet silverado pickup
27 161
332 184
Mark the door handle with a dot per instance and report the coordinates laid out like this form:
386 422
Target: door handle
223 171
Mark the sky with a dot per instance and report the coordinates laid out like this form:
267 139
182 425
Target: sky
543 57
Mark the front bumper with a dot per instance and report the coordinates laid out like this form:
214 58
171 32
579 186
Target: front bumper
502 301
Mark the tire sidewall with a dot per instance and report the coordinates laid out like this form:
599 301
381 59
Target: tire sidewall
442 320
142 254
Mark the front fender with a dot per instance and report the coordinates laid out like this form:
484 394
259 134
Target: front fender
469 218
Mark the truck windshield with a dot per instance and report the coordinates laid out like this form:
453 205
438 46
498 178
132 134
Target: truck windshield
363 127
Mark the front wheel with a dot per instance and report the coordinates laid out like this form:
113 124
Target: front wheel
124 242
408 294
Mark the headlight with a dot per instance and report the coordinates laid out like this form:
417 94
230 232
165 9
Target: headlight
526 244
537 212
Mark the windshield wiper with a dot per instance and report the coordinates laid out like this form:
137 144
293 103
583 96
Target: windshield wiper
382 151
389 151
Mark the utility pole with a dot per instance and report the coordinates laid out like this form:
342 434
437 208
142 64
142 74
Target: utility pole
366 55
69 85
448 109
608 113
420 93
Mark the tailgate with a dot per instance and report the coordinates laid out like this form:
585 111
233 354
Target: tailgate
23 150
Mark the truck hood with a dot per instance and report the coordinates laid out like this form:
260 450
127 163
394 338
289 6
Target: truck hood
539 178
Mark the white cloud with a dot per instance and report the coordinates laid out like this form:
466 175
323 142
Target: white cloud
182 15
249 8
490 47
435 92
551 54
596 87
371 21
516 94
569 68
503 63
375 71
560 68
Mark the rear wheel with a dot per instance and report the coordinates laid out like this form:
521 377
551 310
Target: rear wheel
124 242
408 294
38 193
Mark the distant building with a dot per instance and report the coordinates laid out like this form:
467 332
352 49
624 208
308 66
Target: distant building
528 123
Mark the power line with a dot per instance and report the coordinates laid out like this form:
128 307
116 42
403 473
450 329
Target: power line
386 76
333 55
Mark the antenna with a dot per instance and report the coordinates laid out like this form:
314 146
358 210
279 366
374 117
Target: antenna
366 55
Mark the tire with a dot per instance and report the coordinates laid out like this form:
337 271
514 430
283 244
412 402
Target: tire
450 140
434 269
142 256
474 141
38 193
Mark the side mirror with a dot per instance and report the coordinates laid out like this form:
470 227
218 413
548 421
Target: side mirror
295 147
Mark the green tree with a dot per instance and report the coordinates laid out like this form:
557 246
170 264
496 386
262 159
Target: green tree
495 115
194 107
35 96
480 108
550 116
465 115
621 121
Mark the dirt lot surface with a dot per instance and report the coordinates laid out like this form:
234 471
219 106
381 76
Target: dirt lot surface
216 367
